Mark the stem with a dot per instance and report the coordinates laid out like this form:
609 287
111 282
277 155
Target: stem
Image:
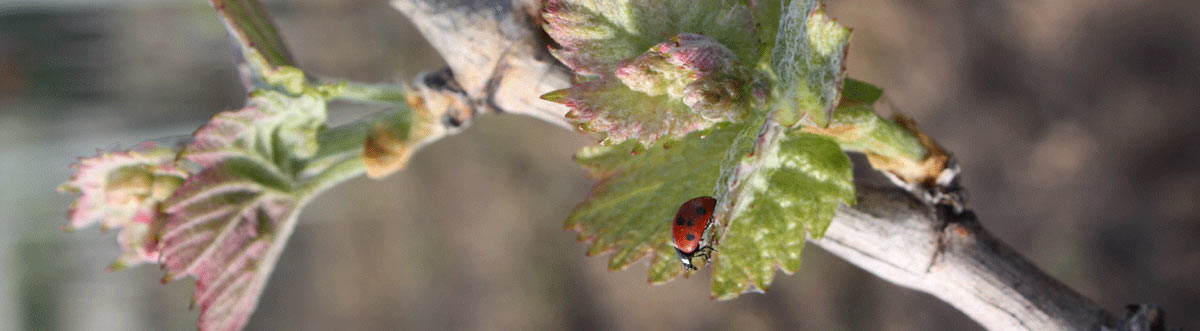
895 237
372 93
336 174
339 157
894 147
859 128
337 144
347 151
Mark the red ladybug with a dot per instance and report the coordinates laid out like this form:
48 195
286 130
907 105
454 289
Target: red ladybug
687 229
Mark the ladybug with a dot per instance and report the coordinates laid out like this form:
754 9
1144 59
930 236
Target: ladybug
687 229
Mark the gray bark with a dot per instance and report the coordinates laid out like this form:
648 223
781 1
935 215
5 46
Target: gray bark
497 54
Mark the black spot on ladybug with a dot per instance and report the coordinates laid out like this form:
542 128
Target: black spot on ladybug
691 222
700 210
691 237
679 221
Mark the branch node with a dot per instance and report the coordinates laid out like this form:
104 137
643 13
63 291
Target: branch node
934 180
440 93
952 221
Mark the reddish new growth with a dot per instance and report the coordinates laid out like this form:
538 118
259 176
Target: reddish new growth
122 190
669 76
674 88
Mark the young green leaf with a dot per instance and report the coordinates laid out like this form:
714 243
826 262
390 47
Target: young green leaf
227 224
808 61
263 59
608 106
222 208
653 69
253 29
766 17
630 207
596 35
791 187
227 229
859 92
772 188
122 190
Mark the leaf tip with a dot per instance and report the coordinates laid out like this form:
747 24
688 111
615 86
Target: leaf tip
556 96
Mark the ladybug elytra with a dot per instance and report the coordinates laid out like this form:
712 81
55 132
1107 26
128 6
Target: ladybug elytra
687 229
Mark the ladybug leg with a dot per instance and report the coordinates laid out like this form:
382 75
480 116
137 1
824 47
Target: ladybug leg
706 252
686 259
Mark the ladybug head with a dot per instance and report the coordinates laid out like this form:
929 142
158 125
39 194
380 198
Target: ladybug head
686 258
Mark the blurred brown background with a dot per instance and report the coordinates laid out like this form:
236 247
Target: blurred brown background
1075 122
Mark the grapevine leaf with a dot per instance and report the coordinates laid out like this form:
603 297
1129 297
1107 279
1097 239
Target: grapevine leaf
766 16
630 206
607 106
275 128
808 60
793 187
653 69
227 224
263 59
227 230
773 189
859 92
250 25
595 35
122 190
